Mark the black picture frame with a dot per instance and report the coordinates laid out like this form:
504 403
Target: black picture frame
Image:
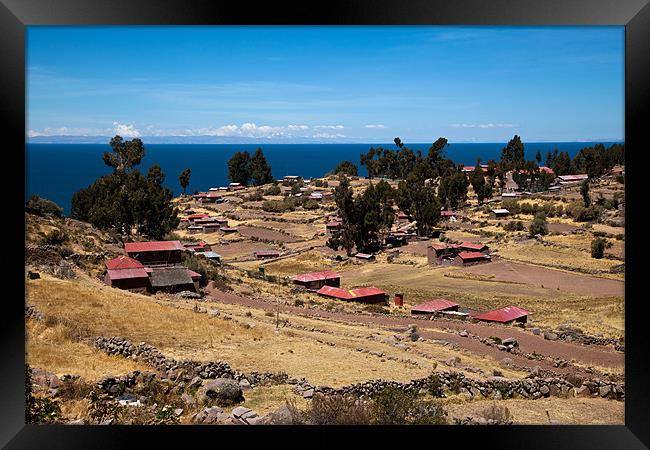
15 15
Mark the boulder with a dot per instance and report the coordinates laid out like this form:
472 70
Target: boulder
510 341
240 411
209 415
245 385
463 333
309 393
506 362
550 336
582 391
281 416
544 390
223 391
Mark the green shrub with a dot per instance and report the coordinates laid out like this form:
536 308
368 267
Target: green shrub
311 204
539 225
43 207
208 271
620 179
598 248
377 309
394 406
298 302
56 237
514 225
336 410
318 183
255 196
273 190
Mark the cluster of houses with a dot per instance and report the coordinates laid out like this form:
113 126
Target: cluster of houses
151 267
450 309
466 253
204 223
328 284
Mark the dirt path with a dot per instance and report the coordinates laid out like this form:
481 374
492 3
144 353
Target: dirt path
550 278
433 329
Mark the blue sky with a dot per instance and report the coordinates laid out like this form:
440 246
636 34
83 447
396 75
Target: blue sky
354 84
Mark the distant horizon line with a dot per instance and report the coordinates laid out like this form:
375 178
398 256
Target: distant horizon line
81 140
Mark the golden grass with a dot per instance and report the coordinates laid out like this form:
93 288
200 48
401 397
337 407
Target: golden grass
52 348
571 411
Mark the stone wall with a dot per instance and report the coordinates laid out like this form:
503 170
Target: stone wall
443 383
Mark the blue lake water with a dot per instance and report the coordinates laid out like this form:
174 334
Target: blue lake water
57 171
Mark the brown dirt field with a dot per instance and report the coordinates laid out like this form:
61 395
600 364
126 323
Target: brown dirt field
556 227
242 249
432 330
263 233
549 278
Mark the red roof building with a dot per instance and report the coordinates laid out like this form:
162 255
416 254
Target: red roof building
197 216
505 315
364 295
473 247
316 280
123 262
197 246
156 252
464 258
434 305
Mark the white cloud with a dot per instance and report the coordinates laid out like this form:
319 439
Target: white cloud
65 131
379 125
328 136
125 130
329 127
483 125
297 127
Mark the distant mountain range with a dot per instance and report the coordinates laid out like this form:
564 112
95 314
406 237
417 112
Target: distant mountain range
62 139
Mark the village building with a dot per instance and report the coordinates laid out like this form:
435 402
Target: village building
211 227
402 217
363 295
396 239
547 170
235 187
475 247
507 314
333 228
173 279
499 212
509 195
292 178
195 216
211 256
439 252
466 169
435 305
316 196
448 215
469 258
264 254
127 273
156 252
194 229
316 280
365 257
198 247
564 180
228 229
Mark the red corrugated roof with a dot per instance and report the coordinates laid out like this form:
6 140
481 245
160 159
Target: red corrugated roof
436 304
154 246
345 294
193 274
333 224
121 274
447 213
507 314
440 246
472 246
198 216
472 255
196 244
316 276
123 262
546 169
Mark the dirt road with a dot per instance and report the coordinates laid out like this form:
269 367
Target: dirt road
434 329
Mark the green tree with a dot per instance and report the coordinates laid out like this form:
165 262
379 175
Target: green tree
478 182
512 155
584 191
184 179
344 199
426 209
125 154
346 168
260 171
239 168
452 191
125 199
539 225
